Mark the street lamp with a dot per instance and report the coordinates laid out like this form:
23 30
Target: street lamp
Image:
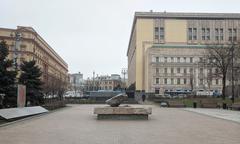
232 53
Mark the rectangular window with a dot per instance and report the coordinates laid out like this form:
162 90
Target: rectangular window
157 70
191 59
165 81
178 59
230 34
172 81
208 33
165 70
161 33
234 35
191 70
157 80
216 34
185 81
185 71
189 33
178 81
157 59
172 59
221 34
201 81
185 59
165 59
172 70
178 70
217 81
156 91
203 33
156 31
194 33
200 59
201 70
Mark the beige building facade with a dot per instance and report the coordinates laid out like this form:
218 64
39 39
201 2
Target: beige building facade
26 44
166 50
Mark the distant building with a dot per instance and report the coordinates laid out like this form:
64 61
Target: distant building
103 83
165 51
26 44
76 81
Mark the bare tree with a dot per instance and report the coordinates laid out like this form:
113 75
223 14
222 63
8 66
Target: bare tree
219 56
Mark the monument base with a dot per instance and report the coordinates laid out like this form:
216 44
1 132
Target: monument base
122 113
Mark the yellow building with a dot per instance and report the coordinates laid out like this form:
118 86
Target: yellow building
26 44
165 49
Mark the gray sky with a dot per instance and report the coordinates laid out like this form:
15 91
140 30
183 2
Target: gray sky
94 34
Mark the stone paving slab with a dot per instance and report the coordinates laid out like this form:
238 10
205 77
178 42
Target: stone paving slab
218 113
78 125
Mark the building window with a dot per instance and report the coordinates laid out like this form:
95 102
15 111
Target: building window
201 70
172 81
230 34
156 33
185 81
172 70
156 91
178 59
157 59
178 70
217 81
208 33
189 33
165 81
221 34
185 59
201 81
161 33
157 80
216 34
172 59
191 70
157 70
234 35
200 59
178 81
185 71
165 59
194 33
191 59
165 70
203 34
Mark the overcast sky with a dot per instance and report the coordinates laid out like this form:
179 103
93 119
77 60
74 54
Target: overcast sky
93 35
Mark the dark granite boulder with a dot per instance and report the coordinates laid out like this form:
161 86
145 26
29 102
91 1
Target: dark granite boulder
116 100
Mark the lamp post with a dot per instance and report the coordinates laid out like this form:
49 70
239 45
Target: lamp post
124 72
232 51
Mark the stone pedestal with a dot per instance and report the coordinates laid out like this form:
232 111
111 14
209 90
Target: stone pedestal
122 113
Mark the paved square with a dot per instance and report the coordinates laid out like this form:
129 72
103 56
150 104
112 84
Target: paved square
218 113
78 125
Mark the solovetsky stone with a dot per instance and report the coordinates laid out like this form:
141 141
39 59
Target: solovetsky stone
116 100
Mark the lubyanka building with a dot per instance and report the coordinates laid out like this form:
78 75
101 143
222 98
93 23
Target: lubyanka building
166 49
26 44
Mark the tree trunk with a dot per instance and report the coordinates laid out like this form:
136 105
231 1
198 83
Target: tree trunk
224 87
